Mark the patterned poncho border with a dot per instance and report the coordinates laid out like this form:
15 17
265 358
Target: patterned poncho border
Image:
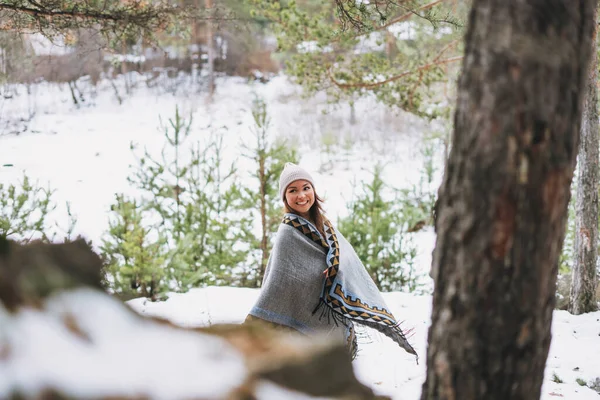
339 299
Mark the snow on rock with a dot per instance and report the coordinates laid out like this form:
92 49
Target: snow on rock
85 344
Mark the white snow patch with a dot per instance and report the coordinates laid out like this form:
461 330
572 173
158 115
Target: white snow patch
118 354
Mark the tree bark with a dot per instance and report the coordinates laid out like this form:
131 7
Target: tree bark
583 289
502 207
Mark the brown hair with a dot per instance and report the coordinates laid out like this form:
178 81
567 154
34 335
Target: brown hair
316 213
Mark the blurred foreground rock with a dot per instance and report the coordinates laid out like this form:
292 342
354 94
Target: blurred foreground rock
62 337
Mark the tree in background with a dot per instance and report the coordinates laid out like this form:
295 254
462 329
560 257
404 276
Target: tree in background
378 228
393 50
193 201
210 45
502 206
269 158
200 37
584 281
15 55
134 261
24 209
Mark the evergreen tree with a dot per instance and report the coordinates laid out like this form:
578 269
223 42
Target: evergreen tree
23 210
393 50
269 158
378 228
134 261
194 205
211 244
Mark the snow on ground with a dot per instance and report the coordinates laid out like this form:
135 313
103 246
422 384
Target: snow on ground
381 364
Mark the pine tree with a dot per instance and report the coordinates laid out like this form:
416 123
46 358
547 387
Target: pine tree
215 222
134 261
195 205
24 209
269 158
393 50
377 228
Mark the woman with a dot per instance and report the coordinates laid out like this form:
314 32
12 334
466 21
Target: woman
314 281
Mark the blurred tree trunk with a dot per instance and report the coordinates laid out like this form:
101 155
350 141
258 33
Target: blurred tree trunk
124 68
264 239
210 43
502 207
195 53
391 48
583 289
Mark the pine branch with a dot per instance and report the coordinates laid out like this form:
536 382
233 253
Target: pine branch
114 18
417 83
360 15
409 14
446 48
128 15
401 18
373 85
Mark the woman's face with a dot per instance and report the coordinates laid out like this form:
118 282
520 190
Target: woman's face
300 196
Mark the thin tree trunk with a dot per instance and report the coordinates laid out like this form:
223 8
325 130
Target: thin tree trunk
502 207
583 289
195 55
73 95
391 48
3 61
264 241
211 53
124 69
118 96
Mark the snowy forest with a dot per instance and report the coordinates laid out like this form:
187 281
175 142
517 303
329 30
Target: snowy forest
455 144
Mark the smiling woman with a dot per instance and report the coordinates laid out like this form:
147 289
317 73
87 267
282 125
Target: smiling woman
297 191
299 197
314 282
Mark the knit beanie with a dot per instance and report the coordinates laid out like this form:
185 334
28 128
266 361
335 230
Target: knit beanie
292 172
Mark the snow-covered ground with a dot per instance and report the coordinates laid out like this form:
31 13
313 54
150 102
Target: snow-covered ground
381 364
84 154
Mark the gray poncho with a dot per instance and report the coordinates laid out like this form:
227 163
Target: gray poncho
314 284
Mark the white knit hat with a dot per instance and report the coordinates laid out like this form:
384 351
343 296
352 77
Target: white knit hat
292 172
